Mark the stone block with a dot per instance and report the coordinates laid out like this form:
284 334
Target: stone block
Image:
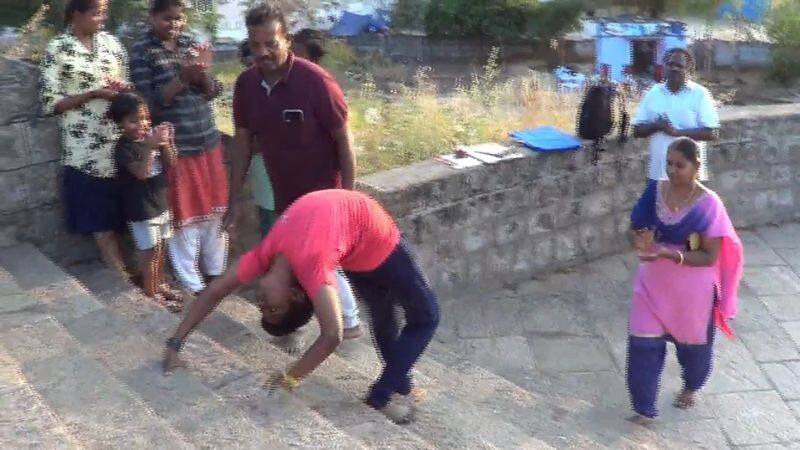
784 308
567 246
570 354
542 221
597 236
511 229
734 370
540 251
13 187
71 307
30 268
596 205
18 89
95 406
786 377
510 357
793 328
42 182
757 252
12 226
43 140
783 236
752 418
556 312
772 280
781 175
770 345
14 152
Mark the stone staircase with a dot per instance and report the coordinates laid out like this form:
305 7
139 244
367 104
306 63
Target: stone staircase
80 368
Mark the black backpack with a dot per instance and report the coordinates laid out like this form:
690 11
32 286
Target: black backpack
596 118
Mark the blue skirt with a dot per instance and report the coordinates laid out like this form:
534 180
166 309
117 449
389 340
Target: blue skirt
91 204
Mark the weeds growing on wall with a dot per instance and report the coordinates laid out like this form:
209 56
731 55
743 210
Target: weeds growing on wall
417 123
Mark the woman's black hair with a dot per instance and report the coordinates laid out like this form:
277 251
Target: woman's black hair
298 315
76 6
314 42
159 6
688 148
265 11
123 105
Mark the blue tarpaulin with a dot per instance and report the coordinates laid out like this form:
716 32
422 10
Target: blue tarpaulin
352 24
751 10
546 139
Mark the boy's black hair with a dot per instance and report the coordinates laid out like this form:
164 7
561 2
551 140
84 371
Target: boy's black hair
313 40
298 315
159 6
124 104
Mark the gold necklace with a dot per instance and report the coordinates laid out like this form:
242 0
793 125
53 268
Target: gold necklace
684 202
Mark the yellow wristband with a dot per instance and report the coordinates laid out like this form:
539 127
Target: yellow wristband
290 382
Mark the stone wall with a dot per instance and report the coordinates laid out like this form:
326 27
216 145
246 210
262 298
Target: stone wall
478 227
30 150
490 225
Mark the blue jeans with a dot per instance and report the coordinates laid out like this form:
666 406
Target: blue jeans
398 282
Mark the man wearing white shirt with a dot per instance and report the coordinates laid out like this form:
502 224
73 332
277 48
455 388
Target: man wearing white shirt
676 108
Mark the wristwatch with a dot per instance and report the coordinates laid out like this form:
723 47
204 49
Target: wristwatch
174 343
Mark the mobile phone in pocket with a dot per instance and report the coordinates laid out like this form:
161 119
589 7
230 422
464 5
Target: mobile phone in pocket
293 115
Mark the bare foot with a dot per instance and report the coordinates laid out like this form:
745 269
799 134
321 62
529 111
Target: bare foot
685 400
170 294
352 333
417 395
639 419
398 412
169 304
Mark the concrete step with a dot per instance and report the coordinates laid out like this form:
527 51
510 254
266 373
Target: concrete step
233 374
201 416
448 417
447 420
27 422
95 407
329 392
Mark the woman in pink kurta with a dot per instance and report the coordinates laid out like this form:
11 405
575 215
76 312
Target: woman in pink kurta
687 281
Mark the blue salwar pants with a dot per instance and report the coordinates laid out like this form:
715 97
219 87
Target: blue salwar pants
398 282
646 362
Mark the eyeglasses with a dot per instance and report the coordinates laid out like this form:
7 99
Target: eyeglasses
676 65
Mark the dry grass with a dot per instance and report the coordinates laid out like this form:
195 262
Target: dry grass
415 124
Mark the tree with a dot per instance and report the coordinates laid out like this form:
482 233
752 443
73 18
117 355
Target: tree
527 19
783 27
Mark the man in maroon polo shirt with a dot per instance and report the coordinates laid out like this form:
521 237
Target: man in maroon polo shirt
297 114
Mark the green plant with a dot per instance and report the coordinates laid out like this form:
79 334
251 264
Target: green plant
783 27
409 14
527 19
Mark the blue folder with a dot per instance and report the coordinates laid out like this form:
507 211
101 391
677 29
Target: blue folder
546 139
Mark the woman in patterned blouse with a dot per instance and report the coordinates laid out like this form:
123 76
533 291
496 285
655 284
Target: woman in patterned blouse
83 68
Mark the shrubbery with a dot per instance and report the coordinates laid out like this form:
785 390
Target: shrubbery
783 28
527 19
